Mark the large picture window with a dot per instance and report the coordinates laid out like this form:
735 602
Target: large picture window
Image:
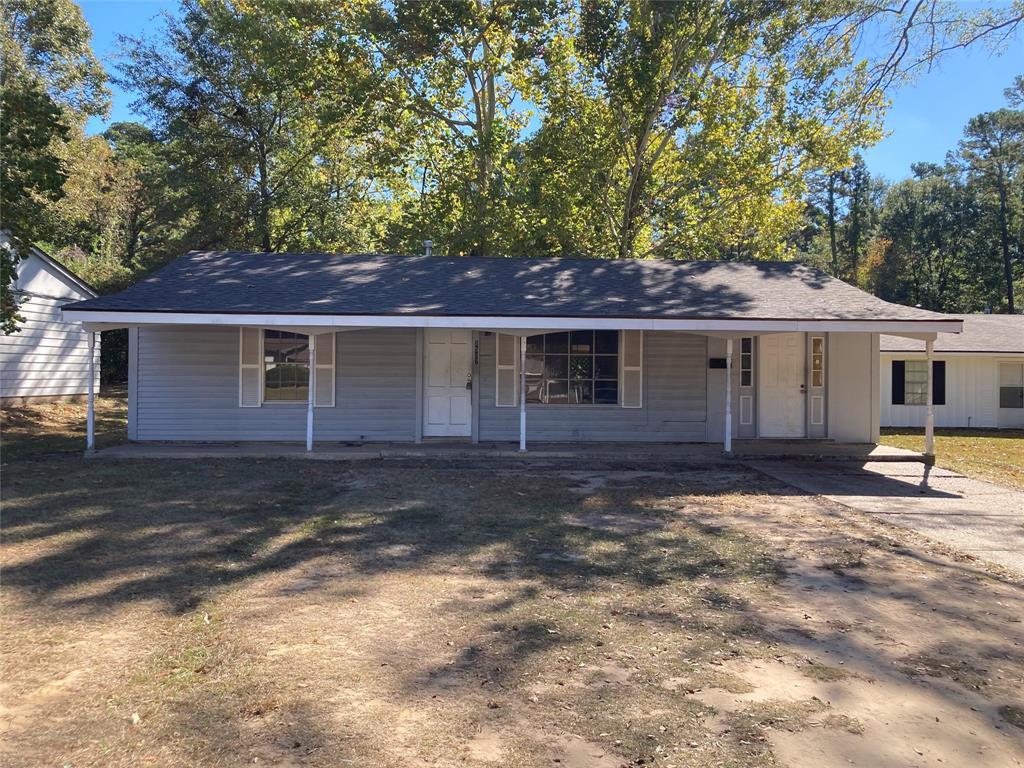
286 366
573 368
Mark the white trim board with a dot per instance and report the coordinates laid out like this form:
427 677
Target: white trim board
104 320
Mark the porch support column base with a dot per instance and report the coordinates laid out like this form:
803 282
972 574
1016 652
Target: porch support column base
929 422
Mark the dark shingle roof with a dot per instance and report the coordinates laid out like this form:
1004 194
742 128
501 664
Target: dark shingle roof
982 333
364 284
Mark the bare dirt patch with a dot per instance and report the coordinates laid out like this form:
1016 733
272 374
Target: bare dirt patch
390 614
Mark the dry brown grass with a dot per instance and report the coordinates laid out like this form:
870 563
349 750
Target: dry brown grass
297 613
59 427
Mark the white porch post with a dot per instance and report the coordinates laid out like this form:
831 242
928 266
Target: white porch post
728 396
522 394
929 422
90 410
312 392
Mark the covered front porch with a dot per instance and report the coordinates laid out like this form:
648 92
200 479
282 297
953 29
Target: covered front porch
380 392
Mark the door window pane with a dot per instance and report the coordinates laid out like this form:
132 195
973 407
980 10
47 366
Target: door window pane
746 361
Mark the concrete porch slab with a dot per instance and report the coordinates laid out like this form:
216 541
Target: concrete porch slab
629 452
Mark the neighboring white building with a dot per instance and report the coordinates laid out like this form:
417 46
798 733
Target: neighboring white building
48 358
979 376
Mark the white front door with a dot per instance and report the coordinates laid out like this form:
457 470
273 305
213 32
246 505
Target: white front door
781 386
447 408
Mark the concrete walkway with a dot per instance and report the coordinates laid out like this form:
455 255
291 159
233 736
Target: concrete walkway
973 516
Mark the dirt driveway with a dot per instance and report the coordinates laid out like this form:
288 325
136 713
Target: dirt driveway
315 614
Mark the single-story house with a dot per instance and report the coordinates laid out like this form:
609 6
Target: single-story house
229 346
979 376
48 358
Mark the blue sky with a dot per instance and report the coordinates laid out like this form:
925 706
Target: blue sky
925 121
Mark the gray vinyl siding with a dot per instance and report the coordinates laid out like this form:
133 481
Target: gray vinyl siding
674 403
48 356
186 388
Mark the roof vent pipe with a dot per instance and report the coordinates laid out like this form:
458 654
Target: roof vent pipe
428 247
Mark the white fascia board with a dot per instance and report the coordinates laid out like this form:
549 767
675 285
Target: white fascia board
522 324
911 354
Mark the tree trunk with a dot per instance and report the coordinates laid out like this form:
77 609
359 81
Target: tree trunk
1004 240
263 211
832 224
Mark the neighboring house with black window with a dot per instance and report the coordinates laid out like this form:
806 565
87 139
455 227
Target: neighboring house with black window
978 376
227 346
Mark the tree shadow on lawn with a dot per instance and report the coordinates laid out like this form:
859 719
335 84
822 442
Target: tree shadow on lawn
683 587
88 536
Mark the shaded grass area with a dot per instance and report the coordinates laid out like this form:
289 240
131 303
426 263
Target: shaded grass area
28 431
294 613
305 610
987 454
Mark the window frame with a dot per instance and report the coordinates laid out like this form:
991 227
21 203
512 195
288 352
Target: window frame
593 379
1000 364
263 371
921 366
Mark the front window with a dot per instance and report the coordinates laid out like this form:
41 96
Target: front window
574 368
286 366
915 382
1011 385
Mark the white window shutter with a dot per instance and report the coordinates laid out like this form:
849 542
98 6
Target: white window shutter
250 367
631 354
506 355
324 384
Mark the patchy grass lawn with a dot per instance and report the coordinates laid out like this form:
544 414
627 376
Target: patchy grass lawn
46 428
988 454
301 613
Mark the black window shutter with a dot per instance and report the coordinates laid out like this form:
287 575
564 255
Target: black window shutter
938 382
899 396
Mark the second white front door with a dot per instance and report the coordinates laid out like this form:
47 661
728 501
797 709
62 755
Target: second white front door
447 399
781 387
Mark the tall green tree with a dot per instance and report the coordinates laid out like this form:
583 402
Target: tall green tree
459 68
271 158
993 152
50 82
718 111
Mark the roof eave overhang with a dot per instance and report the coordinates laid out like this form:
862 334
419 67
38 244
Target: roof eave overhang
107 319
